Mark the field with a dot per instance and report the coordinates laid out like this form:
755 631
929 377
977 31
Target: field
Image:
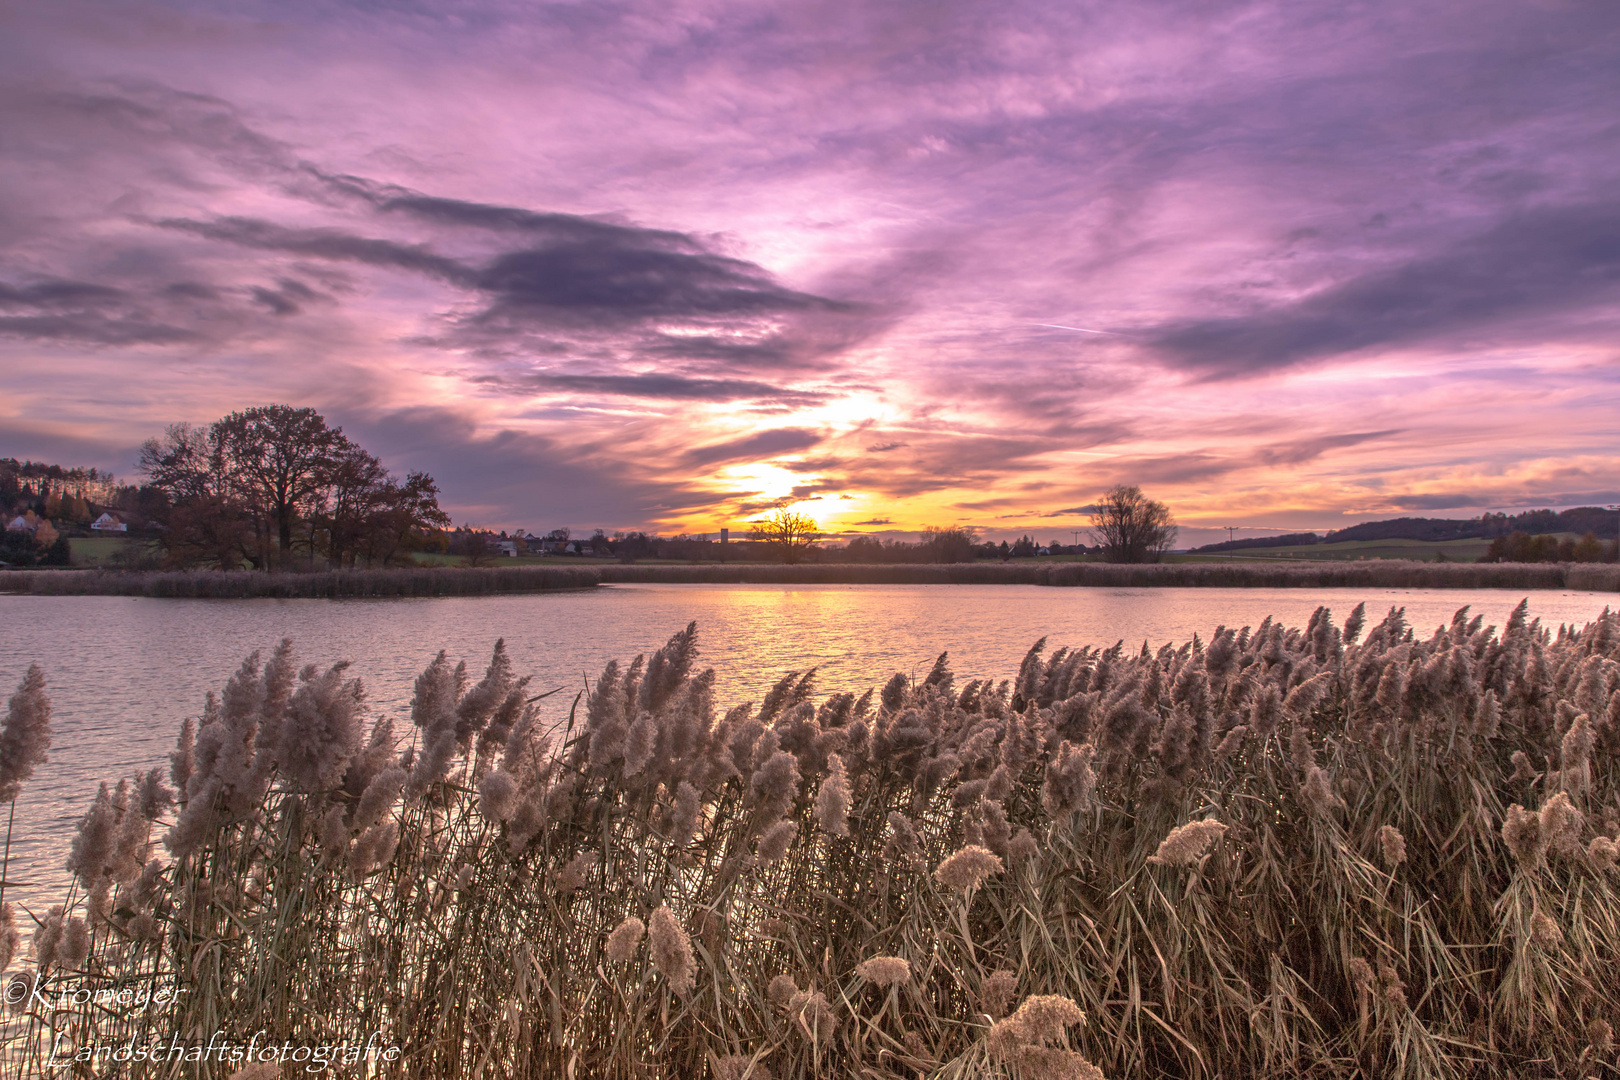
95 550
1413 550
1416 550
1323 851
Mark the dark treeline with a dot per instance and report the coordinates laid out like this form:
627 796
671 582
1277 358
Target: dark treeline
44 481
1523 547
935 546
276 488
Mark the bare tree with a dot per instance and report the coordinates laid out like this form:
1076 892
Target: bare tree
480 548
948 545
279 456
788 534
1130 527
204 522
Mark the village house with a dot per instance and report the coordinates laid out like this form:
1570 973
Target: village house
108 523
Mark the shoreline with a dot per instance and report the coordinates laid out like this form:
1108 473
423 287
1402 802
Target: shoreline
498 580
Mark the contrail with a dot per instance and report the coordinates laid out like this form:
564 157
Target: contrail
1082 329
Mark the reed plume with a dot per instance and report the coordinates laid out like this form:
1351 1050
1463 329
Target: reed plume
1186 844
671 951
884 970
25 737
625 939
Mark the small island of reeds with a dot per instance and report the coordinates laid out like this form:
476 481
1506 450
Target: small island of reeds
1280 852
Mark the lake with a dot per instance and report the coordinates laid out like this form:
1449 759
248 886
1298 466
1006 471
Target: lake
122 673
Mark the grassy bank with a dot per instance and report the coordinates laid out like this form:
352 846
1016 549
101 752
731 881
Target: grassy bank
1292 852
452 581
238 584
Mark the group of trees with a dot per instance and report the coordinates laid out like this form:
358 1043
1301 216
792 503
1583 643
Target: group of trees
39 544
936 546
277 488
1525 547
51 488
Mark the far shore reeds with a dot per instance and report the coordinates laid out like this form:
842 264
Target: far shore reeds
494 580
244 584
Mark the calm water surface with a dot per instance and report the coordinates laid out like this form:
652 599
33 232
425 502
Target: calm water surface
122 672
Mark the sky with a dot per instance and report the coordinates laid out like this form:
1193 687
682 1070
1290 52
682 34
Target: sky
666 265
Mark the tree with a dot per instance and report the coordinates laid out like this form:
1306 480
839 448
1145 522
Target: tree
630 546
203 522
1130 527
788 534
355 489
279 457
948 545
479 548
401 516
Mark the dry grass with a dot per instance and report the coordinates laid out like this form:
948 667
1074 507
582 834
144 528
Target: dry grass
601 903
1380 574
469 581
240 584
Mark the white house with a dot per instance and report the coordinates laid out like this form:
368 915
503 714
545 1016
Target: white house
108 523
506 547
19 524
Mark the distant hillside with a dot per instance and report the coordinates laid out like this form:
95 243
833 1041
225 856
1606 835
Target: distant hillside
1416 529
1580 520
1603 523
1288 540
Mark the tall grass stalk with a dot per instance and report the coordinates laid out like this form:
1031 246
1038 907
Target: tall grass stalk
1280 852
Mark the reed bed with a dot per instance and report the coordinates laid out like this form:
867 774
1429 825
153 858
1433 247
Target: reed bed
1280 852
243 584
1374 574
487 581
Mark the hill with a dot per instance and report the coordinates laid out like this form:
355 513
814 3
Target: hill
1577 521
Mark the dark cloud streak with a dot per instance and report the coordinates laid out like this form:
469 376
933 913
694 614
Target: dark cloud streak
763 444
658 387
1550 261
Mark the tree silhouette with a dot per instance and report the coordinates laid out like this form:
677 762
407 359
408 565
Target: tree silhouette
788 534
948 545
1130 527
